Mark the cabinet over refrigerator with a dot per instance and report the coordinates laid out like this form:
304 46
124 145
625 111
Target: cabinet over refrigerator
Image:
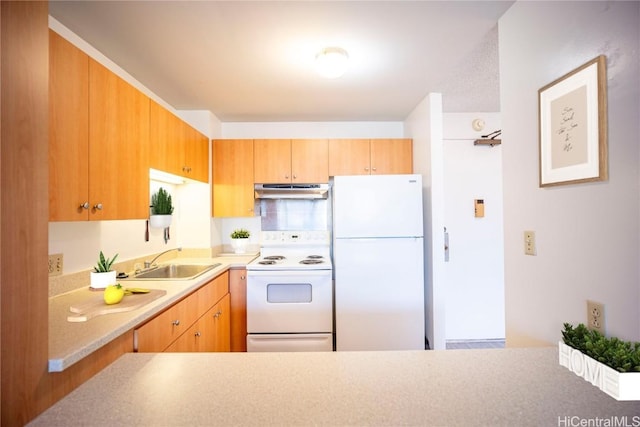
378 262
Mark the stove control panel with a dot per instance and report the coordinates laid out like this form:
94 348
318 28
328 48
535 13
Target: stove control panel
295 237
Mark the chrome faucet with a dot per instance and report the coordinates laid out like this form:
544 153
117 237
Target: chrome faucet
148 264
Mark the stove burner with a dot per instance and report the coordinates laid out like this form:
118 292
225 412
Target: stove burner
274 258
311 261
315 257
267 262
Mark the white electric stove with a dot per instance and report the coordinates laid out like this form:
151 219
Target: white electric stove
290 293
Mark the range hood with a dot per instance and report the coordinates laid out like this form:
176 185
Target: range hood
291 191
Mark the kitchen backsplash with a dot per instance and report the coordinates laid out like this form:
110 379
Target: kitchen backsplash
295 214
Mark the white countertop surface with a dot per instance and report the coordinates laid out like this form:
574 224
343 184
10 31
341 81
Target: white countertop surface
69 342
497 387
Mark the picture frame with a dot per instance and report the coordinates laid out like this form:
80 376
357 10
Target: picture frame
572 118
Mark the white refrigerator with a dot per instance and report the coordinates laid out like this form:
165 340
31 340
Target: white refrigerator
378 262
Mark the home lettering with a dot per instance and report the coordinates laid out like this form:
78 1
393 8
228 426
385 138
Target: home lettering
598 374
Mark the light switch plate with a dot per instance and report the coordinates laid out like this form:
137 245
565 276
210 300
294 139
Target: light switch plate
530 243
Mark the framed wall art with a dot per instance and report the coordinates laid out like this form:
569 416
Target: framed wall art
573 126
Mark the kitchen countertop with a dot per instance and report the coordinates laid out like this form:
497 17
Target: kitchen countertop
69 342
515 387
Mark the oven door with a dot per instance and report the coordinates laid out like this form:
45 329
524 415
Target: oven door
289 302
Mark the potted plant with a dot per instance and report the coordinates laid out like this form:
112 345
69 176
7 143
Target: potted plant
102 274
239 240
611 364
161 209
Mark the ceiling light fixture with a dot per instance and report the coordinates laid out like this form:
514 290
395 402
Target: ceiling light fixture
331 62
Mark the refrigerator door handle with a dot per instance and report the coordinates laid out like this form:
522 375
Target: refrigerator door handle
446 245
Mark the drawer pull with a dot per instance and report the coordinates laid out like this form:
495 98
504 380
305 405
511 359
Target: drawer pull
175 322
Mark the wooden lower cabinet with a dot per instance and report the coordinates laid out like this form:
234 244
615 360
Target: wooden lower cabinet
238 293
203 314
209 333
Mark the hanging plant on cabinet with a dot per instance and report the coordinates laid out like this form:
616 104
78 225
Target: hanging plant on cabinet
161 209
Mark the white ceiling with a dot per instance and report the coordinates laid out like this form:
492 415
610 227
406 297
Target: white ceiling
253 60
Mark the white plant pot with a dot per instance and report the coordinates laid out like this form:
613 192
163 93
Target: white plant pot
239 245
102 280
619 385
160 221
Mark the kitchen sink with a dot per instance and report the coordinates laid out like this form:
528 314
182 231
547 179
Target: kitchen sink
173 272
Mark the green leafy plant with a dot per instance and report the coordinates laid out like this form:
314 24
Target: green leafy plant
240 233
161 203
104 264
623 356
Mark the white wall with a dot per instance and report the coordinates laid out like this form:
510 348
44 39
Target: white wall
424 125
475 270
247 130
587 234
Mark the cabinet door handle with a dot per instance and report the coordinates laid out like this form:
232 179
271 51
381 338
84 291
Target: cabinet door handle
373 169
175 322
85 205
242 277
98 206
367 169
197 334
295 176
218 314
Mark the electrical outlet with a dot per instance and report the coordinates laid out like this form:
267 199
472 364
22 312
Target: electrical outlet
530 243
55 265
595 316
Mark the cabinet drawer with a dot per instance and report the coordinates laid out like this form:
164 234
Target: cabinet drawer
212 292
162 330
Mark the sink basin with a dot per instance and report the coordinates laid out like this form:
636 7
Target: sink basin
174 272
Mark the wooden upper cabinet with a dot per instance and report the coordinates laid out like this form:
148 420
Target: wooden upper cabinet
118 147
349 157
283 161
98 140
391 156
68 131
232 178
164 136
196 155
310 160
176 147
272 160
370 156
